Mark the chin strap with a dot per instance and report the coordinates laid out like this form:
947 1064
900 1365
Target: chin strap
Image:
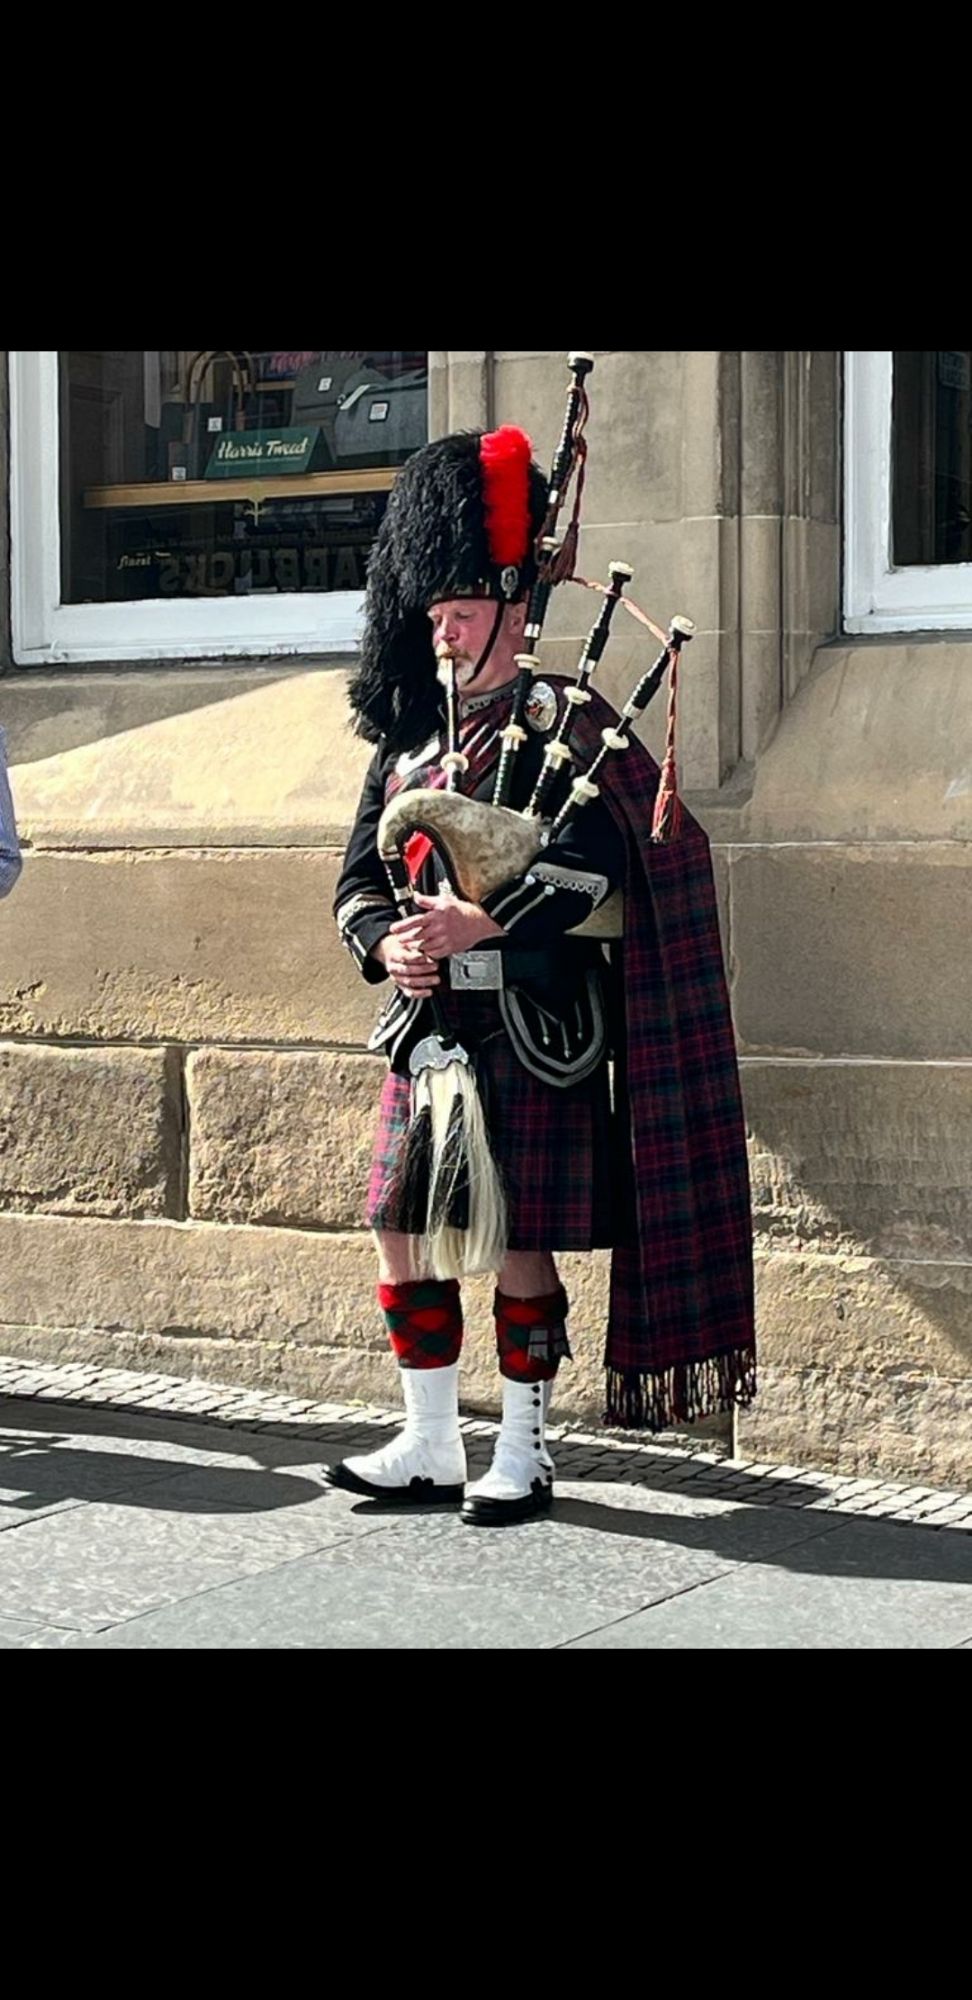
494 635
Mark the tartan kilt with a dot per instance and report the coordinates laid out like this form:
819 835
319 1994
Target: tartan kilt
556 1150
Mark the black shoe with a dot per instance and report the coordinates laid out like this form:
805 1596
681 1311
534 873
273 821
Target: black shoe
418 1492
480 1512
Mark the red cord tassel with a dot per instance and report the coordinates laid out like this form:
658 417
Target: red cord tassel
667 817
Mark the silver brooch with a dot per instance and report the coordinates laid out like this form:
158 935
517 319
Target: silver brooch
541 707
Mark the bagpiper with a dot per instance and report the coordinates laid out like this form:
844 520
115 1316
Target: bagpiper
562 1071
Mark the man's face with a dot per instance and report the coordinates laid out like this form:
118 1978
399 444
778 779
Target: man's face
465 625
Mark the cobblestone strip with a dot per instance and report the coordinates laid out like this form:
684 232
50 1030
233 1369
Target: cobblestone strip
590 1455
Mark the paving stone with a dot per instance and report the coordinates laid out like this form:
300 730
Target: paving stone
17 1635
864 1585
99 1565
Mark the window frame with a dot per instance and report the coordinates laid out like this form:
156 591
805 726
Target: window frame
878 596
48 633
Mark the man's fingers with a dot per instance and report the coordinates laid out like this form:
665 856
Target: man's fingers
410 941
412 980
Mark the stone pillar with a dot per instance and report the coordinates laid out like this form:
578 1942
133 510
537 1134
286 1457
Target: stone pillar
715 474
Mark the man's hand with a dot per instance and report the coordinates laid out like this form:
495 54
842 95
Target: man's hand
446 925
407 965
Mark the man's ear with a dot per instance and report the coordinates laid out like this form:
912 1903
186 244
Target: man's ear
518 613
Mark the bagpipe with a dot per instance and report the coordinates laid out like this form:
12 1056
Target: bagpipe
451 1197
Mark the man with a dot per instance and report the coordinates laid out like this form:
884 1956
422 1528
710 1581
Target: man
452 570
10 860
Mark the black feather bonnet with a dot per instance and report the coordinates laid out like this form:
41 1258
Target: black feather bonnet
462 520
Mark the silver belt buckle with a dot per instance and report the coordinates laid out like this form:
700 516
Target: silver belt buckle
477 971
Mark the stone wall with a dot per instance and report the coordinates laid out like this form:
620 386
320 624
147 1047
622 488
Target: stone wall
185 1105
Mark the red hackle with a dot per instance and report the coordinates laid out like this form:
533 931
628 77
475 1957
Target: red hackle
505 457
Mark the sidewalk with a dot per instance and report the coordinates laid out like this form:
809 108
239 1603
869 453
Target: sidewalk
140 1511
